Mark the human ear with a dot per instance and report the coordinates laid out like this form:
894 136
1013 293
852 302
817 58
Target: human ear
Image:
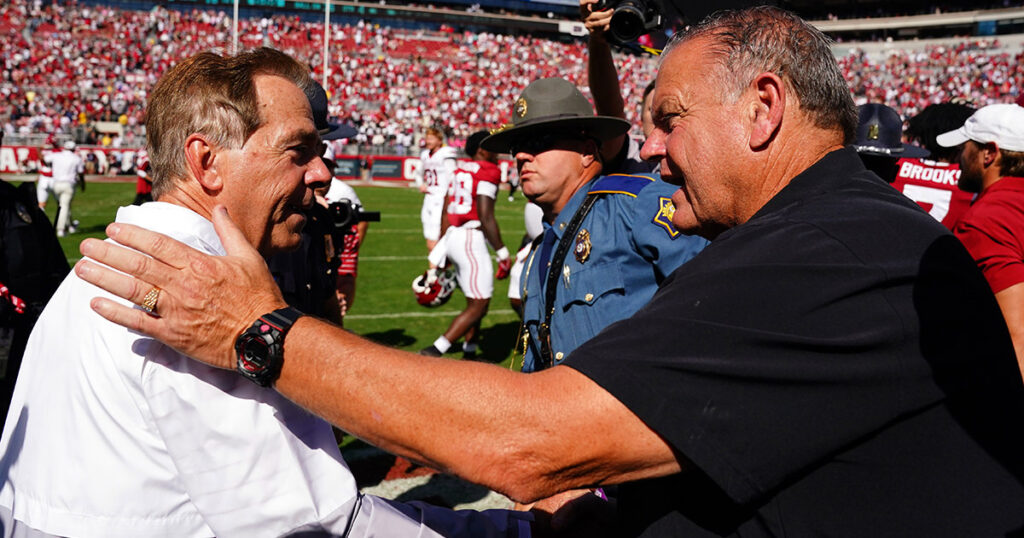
199 161
767 108
990 153
589 154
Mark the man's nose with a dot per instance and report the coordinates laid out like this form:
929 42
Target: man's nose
654 147
318 174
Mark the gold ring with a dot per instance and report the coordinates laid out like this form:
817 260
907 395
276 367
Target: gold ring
149 301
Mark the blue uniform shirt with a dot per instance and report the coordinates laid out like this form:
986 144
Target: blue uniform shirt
623 249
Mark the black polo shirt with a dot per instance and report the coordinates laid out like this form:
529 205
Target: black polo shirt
835 366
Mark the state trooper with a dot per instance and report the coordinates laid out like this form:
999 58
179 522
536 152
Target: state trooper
608 240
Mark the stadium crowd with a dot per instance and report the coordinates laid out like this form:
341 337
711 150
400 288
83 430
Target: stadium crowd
978 71
66 66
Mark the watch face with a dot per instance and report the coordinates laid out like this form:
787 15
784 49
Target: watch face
259 349
255 353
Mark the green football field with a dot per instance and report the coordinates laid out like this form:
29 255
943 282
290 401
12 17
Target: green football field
393 253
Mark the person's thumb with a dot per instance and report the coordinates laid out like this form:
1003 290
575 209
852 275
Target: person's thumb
235 242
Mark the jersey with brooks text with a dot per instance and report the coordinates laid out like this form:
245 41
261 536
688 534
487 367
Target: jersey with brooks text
437 170
933 185
472 179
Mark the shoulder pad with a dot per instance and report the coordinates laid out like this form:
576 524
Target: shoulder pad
628 184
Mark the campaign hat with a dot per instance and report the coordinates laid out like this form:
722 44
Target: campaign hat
1002 124
550 105
880 133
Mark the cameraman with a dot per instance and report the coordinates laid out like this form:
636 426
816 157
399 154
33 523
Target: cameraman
348 257
621 154
306 275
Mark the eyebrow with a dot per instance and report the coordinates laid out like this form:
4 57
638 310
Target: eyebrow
304 136
660 113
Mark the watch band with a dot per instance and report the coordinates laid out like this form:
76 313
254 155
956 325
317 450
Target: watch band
260 348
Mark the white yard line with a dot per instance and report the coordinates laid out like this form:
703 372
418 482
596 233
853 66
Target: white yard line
391 258
426 314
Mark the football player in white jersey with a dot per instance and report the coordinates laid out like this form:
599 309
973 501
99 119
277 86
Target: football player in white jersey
469 226
437 164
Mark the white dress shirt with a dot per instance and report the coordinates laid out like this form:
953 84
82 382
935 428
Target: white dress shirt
114 434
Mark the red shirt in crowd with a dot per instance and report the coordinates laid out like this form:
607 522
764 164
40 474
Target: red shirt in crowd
143 183
993 232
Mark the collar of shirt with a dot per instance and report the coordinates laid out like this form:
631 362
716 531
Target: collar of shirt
574 203
173 220
826 175
1005 183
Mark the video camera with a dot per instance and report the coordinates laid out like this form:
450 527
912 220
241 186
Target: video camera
345 213
631 18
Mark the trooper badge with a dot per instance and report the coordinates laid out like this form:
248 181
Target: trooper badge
582 250
520 107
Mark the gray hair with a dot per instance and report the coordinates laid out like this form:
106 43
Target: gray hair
768 39
214 95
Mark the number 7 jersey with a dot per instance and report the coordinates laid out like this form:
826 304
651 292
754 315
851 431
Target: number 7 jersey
933 185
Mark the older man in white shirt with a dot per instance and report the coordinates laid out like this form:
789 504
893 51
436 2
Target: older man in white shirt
111 433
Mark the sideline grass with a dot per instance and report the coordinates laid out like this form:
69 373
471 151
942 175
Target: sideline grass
393 254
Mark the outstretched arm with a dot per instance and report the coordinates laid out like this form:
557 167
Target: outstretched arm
488 224
1011 302
528 436
602 76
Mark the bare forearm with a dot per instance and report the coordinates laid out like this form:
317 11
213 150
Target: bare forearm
488 224
604 86
444 216
604 79
492 235
448 415
361 231
506 430
1011 302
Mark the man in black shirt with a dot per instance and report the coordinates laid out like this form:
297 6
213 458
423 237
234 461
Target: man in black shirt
832 364
32 265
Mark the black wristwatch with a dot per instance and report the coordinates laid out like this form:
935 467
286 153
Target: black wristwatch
260 348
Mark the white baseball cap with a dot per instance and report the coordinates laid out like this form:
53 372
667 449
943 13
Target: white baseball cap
70 144
1002 124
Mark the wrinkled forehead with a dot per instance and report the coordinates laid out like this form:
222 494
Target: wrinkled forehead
283 105
689 69
274 91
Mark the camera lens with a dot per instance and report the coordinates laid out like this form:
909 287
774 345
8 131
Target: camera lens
628 22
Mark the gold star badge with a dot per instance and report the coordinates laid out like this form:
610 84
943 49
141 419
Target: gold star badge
663 218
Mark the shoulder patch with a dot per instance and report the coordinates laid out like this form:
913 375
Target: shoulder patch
663 217
628 184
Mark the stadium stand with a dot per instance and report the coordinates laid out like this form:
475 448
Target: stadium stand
82 71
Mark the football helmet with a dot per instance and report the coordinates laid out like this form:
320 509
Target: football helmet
434 287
